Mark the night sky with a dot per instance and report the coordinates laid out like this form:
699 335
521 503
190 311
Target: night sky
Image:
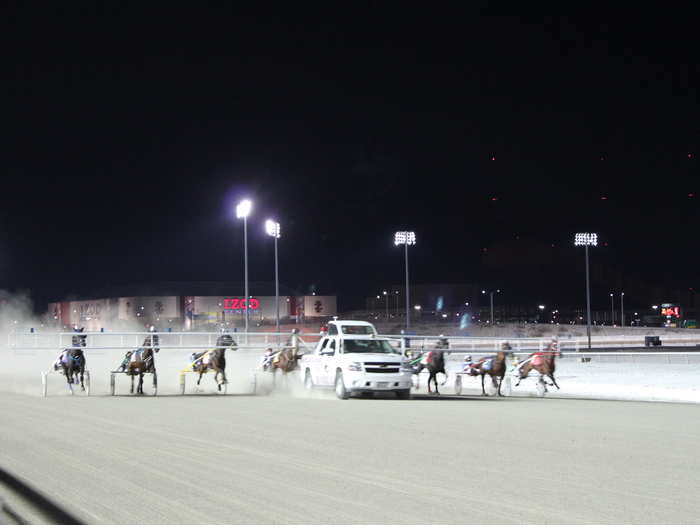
130 135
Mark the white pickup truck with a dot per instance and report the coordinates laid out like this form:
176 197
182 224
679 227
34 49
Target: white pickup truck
352 358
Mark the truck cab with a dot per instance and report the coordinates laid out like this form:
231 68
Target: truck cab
353 358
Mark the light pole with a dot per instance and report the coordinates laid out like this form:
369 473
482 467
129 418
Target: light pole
586 240
386 299
491 294
612 309
622 309
272 228
396 294
242 212
406 238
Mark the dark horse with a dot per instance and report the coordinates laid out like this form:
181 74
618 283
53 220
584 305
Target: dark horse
544 363
72 362
214 360
142 361
434 361
493 366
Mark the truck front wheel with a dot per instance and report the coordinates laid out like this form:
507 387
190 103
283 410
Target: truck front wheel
340 389
308 380
403 394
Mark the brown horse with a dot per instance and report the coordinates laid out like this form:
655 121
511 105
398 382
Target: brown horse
286 360
544 363
493 366
215 360
142 361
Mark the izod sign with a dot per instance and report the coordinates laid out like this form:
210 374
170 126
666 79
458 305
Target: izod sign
240 304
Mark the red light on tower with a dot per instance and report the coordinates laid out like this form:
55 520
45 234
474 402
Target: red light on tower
604 198
493 157
494 198
691 195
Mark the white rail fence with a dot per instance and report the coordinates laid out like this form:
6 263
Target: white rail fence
262 340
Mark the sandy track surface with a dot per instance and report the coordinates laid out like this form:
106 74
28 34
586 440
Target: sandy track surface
290 459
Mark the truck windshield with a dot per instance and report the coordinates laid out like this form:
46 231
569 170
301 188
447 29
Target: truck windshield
368 346
358 330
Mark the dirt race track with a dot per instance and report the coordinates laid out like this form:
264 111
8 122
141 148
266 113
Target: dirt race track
290 459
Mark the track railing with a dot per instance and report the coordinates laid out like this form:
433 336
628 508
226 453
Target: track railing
263 340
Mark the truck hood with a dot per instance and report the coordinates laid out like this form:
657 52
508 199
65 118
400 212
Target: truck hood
374 358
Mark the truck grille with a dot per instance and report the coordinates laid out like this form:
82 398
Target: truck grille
382 368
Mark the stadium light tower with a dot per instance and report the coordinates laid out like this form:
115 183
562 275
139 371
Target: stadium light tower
622 309
242 212
491 294
406 238
586 240
612 308
272 228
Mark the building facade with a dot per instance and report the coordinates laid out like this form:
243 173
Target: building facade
186 312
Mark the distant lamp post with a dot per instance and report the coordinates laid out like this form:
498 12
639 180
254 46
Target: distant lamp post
406 238
386 299
612 308
586 240
272 228
491 295
242 212
622 309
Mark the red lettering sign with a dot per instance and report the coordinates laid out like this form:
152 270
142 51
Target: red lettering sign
240 304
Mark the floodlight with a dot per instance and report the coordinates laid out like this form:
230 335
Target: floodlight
272 228
243 209
586 239
408 238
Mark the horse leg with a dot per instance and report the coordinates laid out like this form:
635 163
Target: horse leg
554 381
216 379
82 372
523 374
500 382
132 384
483 390
140 389
430 376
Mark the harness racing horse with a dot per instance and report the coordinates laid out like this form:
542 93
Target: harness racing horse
142 361
493 366
214 360
285 360
434 361
72 362
544 363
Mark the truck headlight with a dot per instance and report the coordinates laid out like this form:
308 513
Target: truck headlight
355 367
